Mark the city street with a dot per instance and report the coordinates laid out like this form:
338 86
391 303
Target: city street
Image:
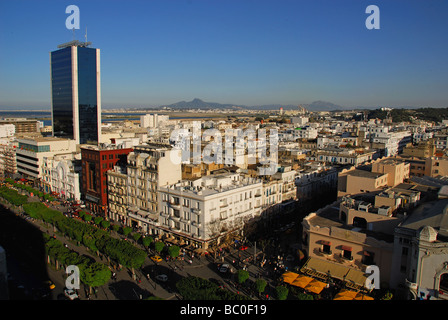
125 286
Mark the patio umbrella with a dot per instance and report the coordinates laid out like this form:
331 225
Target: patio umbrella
302 281
315 286
289 277
361 296
345 295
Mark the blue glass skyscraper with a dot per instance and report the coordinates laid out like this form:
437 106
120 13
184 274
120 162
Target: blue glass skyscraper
75 92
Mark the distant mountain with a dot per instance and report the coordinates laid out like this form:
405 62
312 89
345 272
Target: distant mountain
200 104
322 106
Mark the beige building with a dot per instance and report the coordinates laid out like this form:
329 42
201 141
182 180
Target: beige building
355 181
436 166
397 171
149 167
344 241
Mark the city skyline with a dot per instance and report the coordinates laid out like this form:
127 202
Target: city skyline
240 52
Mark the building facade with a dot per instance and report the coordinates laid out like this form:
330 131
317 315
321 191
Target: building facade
211 210
76 92
30 154
95 162
133 190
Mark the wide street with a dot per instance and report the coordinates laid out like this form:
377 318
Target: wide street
125 286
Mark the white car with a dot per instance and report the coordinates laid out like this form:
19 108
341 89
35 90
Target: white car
224 268
71 294
162 277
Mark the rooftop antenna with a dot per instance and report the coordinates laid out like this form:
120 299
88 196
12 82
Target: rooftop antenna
74 34
86 35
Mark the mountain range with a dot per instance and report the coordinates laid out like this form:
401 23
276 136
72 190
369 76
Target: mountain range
202 105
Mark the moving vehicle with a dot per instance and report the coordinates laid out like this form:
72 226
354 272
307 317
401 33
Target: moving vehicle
156 258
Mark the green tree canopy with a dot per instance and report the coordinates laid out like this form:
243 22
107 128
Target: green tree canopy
282 292
95 274
173 251
243 275
260 285
159 245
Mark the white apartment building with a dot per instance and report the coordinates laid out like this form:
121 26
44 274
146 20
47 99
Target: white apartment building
61 175
153 120
342 156
287 176
209 210
316 181
7 130
32 151
8 161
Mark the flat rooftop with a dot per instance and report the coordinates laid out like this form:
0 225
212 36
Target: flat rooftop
365 174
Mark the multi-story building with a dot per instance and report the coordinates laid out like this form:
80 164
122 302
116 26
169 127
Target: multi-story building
436 166
96 161
397 171
22 125
153 120
76 92
354 181
316 182
342 242
343 156
7 130
61 175
31 152
133 191
420 261
287 176
8 159
210 210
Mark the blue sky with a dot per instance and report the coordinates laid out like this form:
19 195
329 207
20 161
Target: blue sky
249 52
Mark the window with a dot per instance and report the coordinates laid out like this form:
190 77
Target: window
368 258
347 253
326 247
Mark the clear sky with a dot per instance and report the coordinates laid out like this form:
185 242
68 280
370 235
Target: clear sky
249 52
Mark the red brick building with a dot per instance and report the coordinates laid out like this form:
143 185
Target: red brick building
95 163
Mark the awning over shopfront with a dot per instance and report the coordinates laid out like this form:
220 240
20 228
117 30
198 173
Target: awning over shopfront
353 278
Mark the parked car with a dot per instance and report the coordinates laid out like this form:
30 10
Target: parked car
223 268
162 277
71 294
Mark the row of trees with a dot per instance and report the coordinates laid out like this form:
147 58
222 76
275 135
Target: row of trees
97 240
92 273
30 190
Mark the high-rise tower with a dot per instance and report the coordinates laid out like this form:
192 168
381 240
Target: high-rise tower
76 92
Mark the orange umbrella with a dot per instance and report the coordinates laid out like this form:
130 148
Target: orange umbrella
315 286
289 277
302 281
345 295
361 296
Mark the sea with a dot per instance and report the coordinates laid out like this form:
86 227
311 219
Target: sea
47 114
